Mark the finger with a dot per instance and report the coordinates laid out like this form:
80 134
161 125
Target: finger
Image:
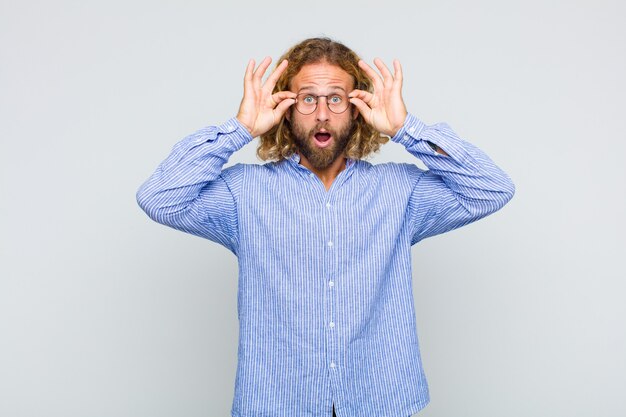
373 75
397 69
387 77
282 107
363 108
365 96
276 98
249 70
275 75
283 95
260 71
247 78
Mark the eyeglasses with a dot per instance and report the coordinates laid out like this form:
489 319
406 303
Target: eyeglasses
306 103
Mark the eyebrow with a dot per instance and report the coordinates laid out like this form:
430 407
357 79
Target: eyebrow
313 88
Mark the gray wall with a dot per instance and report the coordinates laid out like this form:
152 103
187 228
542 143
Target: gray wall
105 313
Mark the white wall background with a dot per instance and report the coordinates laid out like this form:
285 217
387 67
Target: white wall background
105 313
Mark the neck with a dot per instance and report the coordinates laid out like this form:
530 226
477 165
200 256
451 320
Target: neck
328 174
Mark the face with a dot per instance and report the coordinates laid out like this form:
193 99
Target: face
322 136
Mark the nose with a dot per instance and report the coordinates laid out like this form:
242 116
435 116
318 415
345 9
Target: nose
322 113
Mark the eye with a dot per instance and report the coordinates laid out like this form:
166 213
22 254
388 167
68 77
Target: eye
309 99
336 99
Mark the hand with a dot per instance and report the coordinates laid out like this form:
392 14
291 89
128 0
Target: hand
260 110
383 109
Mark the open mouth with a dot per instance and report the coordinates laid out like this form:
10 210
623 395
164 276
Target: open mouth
322 139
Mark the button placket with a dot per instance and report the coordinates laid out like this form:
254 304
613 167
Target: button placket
331 231
330 241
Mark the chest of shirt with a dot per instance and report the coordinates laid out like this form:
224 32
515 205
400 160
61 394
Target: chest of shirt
296 213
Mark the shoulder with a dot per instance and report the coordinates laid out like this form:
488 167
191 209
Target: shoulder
241 168
393 171
242 171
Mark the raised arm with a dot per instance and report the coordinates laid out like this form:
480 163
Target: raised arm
189 190
462 184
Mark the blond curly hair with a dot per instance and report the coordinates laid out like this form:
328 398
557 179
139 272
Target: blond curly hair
278 143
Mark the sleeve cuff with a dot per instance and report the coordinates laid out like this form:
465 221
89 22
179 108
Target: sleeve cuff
235 131
410 130
416 135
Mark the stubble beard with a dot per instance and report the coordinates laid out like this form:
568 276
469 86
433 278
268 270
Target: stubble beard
322 158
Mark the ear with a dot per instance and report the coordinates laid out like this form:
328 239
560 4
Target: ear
288 114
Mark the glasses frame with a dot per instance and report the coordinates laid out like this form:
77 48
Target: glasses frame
317 102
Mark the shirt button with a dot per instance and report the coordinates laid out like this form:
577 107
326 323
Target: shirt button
331 283
330 244
328 205
332 365
311 174
411 130
331 324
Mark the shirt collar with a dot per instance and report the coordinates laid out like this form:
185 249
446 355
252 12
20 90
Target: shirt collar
295 159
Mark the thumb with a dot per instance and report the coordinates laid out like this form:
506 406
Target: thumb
282 107
363 108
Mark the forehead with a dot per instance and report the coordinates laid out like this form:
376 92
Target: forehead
321 75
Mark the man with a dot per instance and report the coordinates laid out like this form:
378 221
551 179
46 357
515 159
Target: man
323 238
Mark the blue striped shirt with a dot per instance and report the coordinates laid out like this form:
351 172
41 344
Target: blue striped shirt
325 301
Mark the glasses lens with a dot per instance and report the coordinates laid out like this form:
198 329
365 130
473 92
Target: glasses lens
306 103
337 103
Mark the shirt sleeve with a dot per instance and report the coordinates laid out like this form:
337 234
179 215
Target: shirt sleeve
190 191
456 189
